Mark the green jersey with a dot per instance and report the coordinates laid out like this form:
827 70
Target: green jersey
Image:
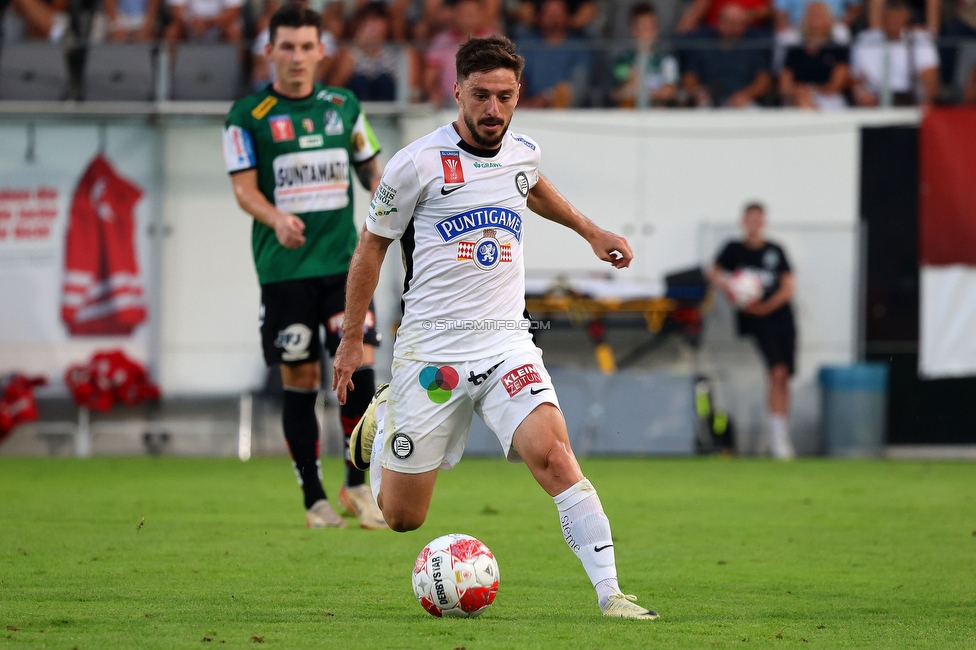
302 150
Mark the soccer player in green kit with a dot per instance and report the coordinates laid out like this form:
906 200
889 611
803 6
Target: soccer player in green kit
289 149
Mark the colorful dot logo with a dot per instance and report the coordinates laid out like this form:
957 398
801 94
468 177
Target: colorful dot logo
439 382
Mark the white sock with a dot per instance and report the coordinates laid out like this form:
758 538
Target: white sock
780 436
375 471
586 530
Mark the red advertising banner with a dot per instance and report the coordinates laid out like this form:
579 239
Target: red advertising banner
947 203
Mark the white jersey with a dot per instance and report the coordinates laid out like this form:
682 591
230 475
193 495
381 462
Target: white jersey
457 211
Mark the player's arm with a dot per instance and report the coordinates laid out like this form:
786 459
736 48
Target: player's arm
288 228
364 274
546 201
782 296
369 174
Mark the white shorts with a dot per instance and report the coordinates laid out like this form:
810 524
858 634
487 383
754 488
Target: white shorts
429 406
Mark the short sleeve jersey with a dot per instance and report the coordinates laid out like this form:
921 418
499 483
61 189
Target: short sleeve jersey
302 150
457 211
768 262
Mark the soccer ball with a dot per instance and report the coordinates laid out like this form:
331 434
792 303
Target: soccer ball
455 575
745 288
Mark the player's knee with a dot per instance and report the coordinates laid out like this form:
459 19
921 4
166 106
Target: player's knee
560 458
404 522
303 377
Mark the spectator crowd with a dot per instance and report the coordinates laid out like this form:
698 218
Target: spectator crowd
811 54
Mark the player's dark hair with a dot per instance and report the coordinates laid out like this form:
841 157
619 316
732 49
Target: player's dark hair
294 14
487 54
754 205
642 9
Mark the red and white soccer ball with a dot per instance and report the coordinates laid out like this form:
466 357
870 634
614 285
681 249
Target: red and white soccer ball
744 288
455 575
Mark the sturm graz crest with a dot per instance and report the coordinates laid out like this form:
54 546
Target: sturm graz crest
522 184
487 253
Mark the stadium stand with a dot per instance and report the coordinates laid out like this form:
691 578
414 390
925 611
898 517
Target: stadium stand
120 72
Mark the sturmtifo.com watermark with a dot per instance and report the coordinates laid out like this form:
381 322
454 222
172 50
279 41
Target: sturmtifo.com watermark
485 324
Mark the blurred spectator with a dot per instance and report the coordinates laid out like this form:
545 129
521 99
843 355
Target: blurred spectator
468 19
788 18
263 70
924 13
816 73
528 14
438 16
36 20
198 20
969 91
555 68
706 13
131 20
894 65
734 73
960 27
371 65
644 76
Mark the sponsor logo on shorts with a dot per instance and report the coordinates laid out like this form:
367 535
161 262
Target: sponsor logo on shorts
480 378
515 380
401 445
487 252
281 128
334 324
294 340
439 382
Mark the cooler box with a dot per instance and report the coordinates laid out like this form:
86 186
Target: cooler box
854 407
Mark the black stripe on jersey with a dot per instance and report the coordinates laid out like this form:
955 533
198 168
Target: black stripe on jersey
476 151
407 245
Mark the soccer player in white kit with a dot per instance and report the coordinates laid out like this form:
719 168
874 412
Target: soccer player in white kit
455 200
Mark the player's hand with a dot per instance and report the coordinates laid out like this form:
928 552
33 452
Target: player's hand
348 358
759 308
288 229
612 248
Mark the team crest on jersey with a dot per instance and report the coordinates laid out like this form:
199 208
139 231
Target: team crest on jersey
281 128
487 252
522 184
308 124
333 123
770 258
453 172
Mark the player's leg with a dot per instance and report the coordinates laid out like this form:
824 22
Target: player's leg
405 498
289 330
413 427
777 341
354 494
523 398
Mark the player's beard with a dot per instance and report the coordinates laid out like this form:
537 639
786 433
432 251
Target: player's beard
483 141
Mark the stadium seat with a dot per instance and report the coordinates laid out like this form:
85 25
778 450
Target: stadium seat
206 72
33 71
119 72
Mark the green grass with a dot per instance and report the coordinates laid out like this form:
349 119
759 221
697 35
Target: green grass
732 553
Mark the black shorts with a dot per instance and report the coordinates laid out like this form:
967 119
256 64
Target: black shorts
292 313
776 337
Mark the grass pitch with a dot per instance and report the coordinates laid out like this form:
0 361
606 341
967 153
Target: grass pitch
164 553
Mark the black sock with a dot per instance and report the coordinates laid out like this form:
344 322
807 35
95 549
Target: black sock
302 434
357 401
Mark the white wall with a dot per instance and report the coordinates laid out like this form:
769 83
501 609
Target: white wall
660 178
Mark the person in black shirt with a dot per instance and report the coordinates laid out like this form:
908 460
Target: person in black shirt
816 72
769 319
